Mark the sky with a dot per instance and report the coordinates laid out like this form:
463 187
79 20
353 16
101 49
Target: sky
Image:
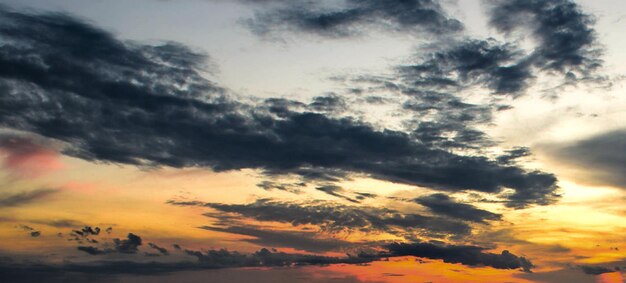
312 141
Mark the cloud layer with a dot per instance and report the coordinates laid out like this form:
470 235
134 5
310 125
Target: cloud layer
150 106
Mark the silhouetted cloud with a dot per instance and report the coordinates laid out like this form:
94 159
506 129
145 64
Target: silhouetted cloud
31 231
335 217
161 250
468 255
565 34
264 257
22 198
306 241
125 246
444 205
87 230
93 250
128 245
595 270
355 17
336 191
59 223
295 188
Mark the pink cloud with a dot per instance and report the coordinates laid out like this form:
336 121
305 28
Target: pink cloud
25 157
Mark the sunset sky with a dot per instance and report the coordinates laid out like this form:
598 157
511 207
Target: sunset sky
312 141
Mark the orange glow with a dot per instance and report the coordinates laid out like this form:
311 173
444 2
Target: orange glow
32 163
614 277
411 269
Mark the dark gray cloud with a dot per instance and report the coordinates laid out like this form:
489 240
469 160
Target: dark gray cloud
22 198
602 156
130 245
161 250
328 103
295 188
501 67
306 241
149 106
265 257
565 35
92 250
468 255
354 17
512 155
31 231
336 191
442 204
87 231
335 217
595 270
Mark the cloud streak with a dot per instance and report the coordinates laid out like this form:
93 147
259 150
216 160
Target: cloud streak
23 198
468 255
354 18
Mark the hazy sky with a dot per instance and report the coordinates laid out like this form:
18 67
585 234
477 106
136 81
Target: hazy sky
309 141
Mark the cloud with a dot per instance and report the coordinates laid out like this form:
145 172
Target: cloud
87 231
306 241
92 250
125 246
31 231
442 204
295 188
23 198
264 257
161 250
467 255
27 156
566 40
128 245
150 106
335 217
222 258
603 157
336 191
58 223
595 270
354 18
501 67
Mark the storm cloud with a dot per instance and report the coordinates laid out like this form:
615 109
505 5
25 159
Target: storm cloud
150 106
